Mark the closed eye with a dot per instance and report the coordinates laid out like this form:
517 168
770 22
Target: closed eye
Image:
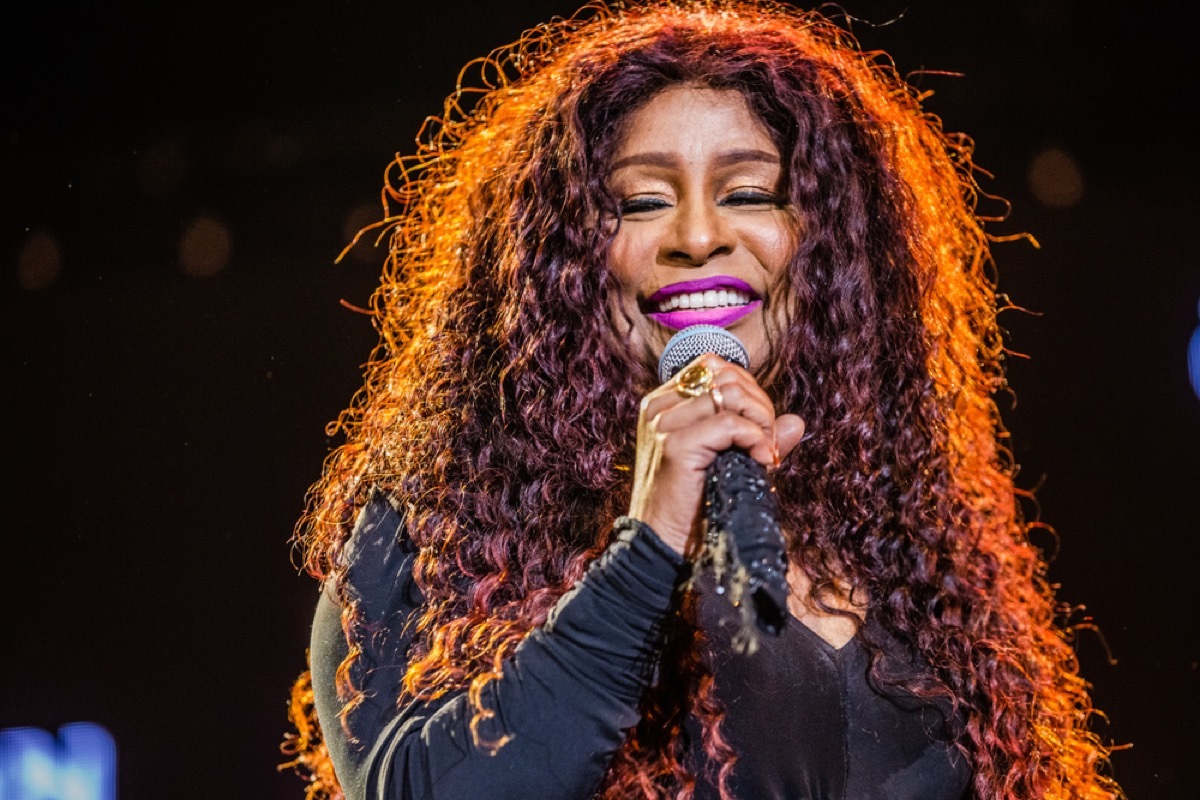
748 197
640 205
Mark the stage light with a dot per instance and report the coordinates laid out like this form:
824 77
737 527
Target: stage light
80 765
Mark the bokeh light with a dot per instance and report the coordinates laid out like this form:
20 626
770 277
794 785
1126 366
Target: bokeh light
39 261
79 764
1055 178
205 248
1194 358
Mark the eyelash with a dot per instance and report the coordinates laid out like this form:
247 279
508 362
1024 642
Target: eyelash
638 205
752 198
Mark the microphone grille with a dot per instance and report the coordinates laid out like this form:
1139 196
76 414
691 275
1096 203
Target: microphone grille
697 340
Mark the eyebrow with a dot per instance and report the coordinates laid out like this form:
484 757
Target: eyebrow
661 159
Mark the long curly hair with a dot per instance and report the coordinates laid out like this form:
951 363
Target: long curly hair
499 407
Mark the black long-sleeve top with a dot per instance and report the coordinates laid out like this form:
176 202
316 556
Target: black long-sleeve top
801 714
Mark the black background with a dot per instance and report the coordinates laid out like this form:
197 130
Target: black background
160 430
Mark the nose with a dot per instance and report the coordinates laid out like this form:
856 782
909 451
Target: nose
698 234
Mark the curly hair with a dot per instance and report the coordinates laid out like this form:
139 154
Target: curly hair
499 405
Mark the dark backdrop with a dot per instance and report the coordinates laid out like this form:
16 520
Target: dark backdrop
161 427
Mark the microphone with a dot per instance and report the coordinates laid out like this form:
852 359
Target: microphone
743 544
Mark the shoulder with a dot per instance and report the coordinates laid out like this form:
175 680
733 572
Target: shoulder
376 583
379 557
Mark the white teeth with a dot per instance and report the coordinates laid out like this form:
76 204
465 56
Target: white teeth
713 298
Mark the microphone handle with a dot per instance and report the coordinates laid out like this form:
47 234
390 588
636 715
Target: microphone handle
745 544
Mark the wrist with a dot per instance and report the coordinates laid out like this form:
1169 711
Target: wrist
629 527
674 537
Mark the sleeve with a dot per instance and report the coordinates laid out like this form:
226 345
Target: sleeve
561 706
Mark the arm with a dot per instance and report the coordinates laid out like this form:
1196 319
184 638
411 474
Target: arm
564 700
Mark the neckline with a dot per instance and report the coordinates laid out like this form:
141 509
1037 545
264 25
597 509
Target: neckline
825 644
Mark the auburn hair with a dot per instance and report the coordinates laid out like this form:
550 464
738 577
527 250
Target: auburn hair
499 407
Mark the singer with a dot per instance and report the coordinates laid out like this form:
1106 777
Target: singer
507 540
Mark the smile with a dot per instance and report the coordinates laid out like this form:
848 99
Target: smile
719 300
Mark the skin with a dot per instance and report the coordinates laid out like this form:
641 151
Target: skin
697 177
698 181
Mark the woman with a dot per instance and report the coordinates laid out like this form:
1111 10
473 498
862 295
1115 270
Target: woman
504 540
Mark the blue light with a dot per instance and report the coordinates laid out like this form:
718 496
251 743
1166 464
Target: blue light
80 765
1194 359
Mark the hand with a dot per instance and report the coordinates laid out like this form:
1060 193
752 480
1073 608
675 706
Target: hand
678 437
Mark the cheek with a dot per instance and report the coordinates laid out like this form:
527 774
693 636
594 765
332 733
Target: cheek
622 299
624 265
630 266
776 242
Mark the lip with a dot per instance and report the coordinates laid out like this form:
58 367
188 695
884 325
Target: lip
701 285
686 317
682 318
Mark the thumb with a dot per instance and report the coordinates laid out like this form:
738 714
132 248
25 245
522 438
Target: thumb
789 428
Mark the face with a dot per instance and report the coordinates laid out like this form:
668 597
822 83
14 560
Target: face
704 232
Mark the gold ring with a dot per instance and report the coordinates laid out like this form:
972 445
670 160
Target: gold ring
694 380
718 399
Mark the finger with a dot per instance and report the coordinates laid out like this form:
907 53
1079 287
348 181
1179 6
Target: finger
726 375
715 364
732 389
694 447
789 429
695 410
723 372
746 398
729 373
669 394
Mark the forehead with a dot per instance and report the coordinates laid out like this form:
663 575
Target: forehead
694 122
